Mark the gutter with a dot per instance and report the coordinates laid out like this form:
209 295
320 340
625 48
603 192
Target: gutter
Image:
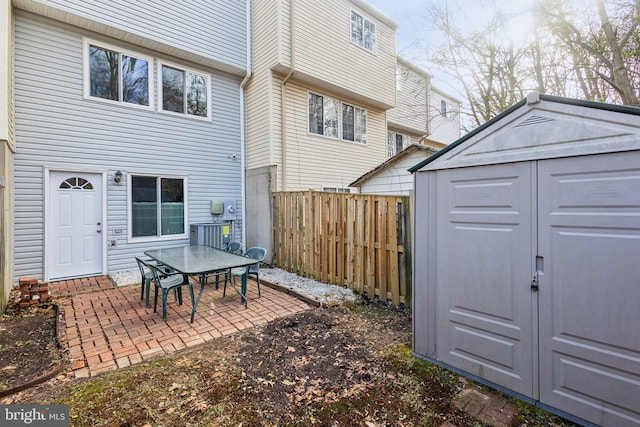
243 127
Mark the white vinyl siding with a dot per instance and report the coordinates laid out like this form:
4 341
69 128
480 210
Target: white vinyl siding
443 128
213 34
263 89
324 52
394 180
57 128
412 107
314 161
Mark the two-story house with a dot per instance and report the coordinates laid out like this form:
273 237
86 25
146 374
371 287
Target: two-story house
323 79
128 123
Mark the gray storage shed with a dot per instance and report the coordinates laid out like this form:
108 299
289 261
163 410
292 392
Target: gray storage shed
529 229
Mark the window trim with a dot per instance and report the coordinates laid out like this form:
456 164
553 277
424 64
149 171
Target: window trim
340 120
86 73
373 51
141 239
185 69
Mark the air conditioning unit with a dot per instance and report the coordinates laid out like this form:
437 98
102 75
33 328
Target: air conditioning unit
216 235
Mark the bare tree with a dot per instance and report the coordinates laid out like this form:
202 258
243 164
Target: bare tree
590 52
604 53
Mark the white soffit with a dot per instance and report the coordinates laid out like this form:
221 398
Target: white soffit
545 130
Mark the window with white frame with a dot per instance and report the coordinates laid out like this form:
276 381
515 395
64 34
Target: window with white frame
354 124
323 115
184 91
332 118
363 32
331 189
396 142
117 75
157 207
443 108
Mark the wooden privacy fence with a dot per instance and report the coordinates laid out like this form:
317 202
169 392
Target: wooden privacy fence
354 240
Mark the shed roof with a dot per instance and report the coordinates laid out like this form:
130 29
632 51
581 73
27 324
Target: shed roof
539 127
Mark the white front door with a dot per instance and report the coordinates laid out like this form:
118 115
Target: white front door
74 212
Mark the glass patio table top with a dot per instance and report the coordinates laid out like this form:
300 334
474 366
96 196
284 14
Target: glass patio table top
199 261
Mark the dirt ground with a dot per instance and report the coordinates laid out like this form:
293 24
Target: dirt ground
28 345
340 366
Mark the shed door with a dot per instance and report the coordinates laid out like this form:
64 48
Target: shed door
485 260
589 221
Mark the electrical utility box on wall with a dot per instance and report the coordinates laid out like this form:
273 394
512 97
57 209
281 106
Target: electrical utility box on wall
229 213
217 208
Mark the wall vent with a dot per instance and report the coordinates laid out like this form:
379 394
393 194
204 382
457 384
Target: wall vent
534 120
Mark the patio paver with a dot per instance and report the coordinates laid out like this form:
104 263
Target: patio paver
109 327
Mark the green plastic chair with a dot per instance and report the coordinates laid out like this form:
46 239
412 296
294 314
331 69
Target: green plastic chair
166 282
146 277
235 248
256 253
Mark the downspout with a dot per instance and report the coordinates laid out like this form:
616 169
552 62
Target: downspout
283 121
243 130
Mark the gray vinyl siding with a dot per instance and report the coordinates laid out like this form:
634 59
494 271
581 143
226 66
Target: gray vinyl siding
57 128
215 29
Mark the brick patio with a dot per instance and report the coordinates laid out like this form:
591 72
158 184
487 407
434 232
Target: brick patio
109 327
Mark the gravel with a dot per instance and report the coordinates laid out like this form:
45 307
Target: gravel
325 294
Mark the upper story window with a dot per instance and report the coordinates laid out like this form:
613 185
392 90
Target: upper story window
327 116
184 91
363 32
443 108
116 75
446 110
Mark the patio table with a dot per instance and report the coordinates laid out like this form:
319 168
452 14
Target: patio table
199 261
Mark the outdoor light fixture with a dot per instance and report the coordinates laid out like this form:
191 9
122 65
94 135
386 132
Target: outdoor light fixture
117 177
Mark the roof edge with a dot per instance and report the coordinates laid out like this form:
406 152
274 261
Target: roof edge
467 136
531 98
